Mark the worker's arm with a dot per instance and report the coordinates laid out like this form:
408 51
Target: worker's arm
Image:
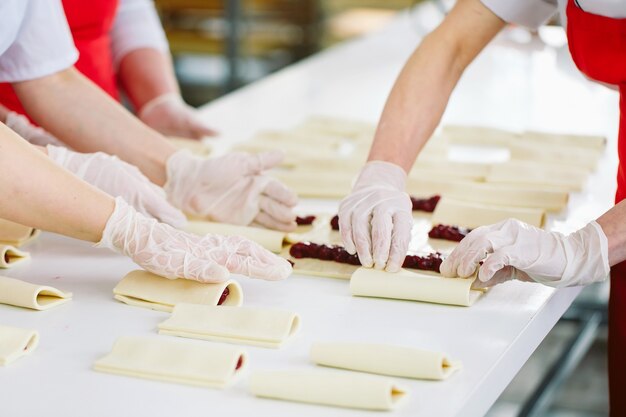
73 109
375 219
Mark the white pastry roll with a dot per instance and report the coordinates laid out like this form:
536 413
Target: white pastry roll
335 388
244 325
37 297
144 289
16 234
176 361
10 256
15 343
459 213
400 361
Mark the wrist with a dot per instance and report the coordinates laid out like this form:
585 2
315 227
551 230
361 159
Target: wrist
151 105
382 173
616 241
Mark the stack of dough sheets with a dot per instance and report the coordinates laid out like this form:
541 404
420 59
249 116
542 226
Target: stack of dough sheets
400 361
37 297
16 234
334 388
245 325
414 286
144 289
176 361
10 256
459 213
15 343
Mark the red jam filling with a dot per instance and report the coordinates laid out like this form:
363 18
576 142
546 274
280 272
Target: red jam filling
453 233
336 253
239 363
305 221
334 223
224 296
425 204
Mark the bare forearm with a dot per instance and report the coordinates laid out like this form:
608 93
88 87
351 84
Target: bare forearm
613 223
38 193
73 109
421 92
145 74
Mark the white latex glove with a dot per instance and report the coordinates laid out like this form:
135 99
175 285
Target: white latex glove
171 116
119 179
172 253
375 220
515 250
231 189
33 134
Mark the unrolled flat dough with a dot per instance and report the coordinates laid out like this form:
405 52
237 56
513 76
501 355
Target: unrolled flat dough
472 215
144 289
15 343
415 286
335 388
400 361
352 129
11 256
246 325
197 147
37 297
517 195
271 240
174 361
16 234
478 135
317 184
559 177
586 141
583 157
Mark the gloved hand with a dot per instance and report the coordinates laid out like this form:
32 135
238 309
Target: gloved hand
171 116
515 250
231 189
33 134
172 253
119 179
375 220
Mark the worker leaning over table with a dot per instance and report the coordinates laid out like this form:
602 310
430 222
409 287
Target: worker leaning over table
35 49
231 188
375 219
122 42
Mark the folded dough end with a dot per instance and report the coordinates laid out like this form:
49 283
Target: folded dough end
10 256
234 296
49 297
15 343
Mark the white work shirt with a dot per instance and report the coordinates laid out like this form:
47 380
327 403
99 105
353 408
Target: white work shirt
35 40
534 13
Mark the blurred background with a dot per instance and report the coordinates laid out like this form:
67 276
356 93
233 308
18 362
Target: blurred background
219 46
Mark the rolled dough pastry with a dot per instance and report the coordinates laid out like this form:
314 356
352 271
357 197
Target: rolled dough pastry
559 177
10 256
415 286
37 297
197 147
271 240
176 361
144 289
586 141
319 268
583 157
246 325
458 213
518 195
400 361
16 234
335 388
15 343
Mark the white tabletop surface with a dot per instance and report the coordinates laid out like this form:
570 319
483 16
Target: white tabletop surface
516 83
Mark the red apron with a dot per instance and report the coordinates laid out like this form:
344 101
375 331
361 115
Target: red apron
90 23
598 47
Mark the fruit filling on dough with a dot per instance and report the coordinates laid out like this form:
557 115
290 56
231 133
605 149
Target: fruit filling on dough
447 232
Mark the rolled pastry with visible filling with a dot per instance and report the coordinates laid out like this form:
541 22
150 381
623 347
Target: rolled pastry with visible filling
472 215
414 286
400 361
16 234
144 289
37 297
271 240
243 325
10 256
15 343
175 361
334 388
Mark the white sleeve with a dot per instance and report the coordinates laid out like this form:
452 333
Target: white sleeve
136 25
529 13
36 40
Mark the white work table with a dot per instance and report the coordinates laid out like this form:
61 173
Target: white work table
512 85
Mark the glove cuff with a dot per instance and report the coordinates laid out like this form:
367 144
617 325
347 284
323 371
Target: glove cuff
381 173
117 227
180 170
158 101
